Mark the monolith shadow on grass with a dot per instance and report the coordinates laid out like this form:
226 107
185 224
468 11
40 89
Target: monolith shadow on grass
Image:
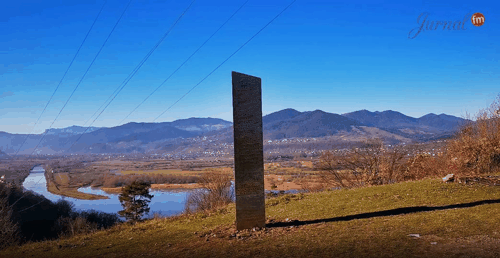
392 212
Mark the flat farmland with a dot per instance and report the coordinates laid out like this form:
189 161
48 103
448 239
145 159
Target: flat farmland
112 173
160 171
174 171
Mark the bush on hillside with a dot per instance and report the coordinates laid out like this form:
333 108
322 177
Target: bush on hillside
216 192
371 164
9 231
476 148
27 216
423 165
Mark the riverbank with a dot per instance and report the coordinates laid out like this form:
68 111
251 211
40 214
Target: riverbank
57 183
15 171
72 192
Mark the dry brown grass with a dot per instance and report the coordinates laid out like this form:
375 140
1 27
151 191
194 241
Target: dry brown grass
423 165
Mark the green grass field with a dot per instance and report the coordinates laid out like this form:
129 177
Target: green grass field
452 220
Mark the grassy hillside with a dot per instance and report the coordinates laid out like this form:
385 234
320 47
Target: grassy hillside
452 220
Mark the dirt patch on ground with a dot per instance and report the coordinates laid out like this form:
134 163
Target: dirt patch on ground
279 183
112 190
484 180
284 183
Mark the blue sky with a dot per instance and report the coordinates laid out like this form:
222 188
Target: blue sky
335 56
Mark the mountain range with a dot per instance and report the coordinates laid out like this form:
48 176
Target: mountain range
392 126
72 130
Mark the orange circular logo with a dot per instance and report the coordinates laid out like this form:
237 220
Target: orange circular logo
477 19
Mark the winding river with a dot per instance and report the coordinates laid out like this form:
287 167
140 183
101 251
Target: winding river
165 203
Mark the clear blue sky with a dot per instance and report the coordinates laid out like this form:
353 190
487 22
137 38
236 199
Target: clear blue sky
334 56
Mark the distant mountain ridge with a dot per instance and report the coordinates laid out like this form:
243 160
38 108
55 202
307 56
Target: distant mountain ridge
393 119
385 119
70 130
280 115
194 124
306 124
391 125
105 138
442 121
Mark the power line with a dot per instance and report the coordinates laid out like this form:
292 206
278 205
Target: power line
24 194
175 71
147 56
43 199
81 79
32 205
64 76
117 89
136 69
125 82
227 58
102 46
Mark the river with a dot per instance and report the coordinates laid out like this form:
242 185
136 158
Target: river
165 203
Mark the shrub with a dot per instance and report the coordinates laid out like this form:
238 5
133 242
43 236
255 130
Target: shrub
84 222
26 216
9 231
216 192
371 164
68 227
64 208
423 165
101 219
272 182
330 165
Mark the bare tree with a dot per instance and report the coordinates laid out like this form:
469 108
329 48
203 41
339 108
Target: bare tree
476 147
370 164
216 192
329 165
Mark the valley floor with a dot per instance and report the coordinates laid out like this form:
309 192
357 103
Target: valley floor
425 218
